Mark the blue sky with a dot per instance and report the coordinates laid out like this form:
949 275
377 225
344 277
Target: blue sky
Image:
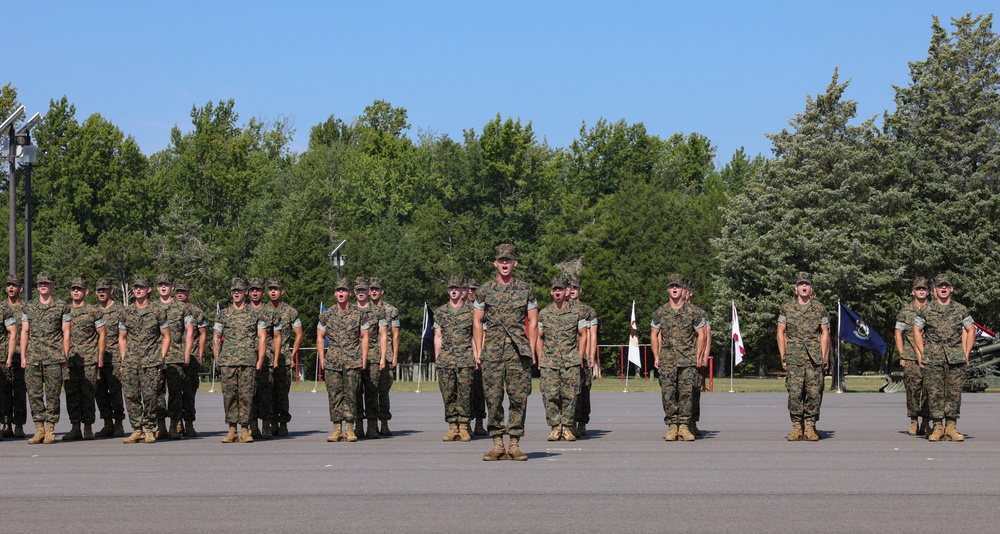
732 71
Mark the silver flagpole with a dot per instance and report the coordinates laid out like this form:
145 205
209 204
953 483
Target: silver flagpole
420 360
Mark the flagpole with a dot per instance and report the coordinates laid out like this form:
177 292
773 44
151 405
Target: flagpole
840 385
218 308
732 349
316 380
420 360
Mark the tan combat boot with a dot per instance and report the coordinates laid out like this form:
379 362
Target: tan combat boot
231 436
50 433
684 433
349 434
914 427
554 435
189 430
337 434
265 429
149 436
671 433
88 431
161 429
497 452
514 450
172 431
372 432
254 430
452 434
463 433
179 423
951 433
810 432
480 430
74 433
107 430
39 434
937 433
796 434
581 429
567 433
137 436
246 435
119 429
383 430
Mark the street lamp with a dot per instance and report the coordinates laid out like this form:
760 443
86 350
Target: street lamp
337 260
8 125
27 156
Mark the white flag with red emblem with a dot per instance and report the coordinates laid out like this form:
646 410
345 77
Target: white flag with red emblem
740 351
633 341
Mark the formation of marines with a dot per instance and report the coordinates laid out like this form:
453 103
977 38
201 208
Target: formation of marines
487 339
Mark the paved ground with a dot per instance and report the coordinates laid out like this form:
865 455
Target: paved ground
866 475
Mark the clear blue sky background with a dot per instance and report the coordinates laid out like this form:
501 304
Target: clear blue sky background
732 71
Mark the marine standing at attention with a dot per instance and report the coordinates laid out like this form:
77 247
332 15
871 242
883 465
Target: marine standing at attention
804 347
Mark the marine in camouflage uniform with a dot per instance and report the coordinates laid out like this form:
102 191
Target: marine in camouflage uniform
563 329
804 346
345 328
943 334
88 341
108 395
239 342
194 355
703 354
13 390
453 354
143 343
478 394
263 401
366 397
505 350
388 322
175 367
913 376
582 416
7 335
283 366
45 338
676 331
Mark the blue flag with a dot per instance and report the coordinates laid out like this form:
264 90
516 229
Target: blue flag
853 330
326 342
428 332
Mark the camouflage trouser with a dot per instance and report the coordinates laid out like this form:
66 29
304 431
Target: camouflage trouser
805 391
80 388
190 390
366 398
44 384
341 388
676 387
456 391
916 397
141 386
504 370
262 406
385 380
282 376
696 398
560 387
943 384
238 386
174 378
582 414
13 394
161 397
478 395
109 392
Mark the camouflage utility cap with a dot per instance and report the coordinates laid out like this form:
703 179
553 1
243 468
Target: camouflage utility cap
559 281
342 284
255 283
78 283
920 283
572 280
456 281
943 279
675 280
164 279
275 283
375 282
140 280
472 283
182 285
102 283
14 280
505 250
238 283
360 283
803 278
44 278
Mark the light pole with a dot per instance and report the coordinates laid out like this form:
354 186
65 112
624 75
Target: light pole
8 126
337 260
27 156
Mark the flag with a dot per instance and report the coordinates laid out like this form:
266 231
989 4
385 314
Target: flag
853 330
326 341
633 341
983 333
428 333
741 351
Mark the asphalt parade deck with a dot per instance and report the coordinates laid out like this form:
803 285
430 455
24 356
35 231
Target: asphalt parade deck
865 475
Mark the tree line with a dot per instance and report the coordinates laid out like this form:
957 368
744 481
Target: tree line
865 204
